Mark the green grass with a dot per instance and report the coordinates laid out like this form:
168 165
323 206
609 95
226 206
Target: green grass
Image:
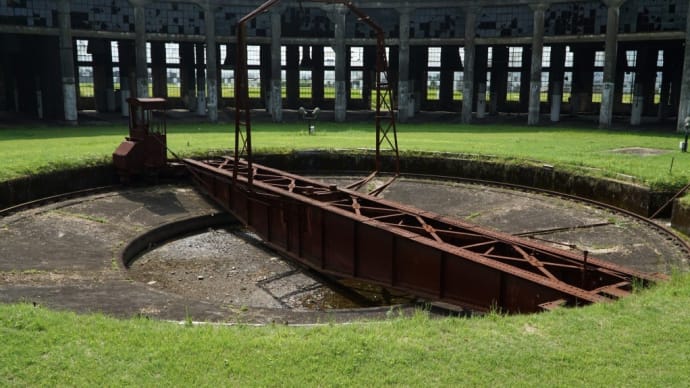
642 340
29 150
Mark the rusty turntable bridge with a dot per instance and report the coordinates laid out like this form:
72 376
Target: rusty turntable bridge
348 234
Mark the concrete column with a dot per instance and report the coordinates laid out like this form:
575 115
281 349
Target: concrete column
292 76
405 103
525 76
645 74
666 72
481 100
317 76
102 75
265 76
276 101
211 63
340 109
449 54
418 70
127 69
619 78
499 79
140 48
556 78
481 57
684 104
583 67
468 77
535 69
637 104
69 84
187 74
200 80
111 104
610 57
369 82
159 73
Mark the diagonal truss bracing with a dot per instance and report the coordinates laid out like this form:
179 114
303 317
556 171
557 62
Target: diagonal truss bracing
349 234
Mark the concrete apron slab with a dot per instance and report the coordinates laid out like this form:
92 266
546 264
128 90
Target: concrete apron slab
64 255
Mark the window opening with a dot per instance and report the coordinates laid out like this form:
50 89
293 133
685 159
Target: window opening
84 69
459 75
567 75
115 58
356 73
433 74
514 73
598 76
172 63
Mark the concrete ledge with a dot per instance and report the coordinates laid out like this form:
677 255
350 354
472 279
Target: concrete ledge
156 236
680 217
625 195
38 186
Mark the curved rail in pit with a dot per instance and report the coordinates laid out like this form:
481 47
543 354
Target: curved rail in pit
345 233
646 220
671 235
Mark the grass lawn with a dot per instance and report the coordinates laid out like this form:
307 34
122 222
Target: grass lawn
642 340
29 150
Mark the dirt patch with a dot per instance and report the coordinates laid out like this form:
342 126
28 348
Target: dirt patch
640 151
231 266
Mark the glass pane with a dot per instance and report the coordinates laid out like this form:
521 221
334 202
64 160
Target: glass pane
356 84
86 81
227 83
597 85
458 76
82 51
305 84
172 53
173 83
356 56
329 84
433 80
514 56
254 83
513 93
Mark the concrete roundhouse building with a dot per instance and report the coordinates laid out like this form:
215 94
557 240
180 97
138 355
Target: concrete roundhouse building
622 60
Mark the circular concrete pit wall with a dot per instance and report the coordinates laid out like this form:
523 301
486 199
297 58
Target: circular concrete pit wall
629 196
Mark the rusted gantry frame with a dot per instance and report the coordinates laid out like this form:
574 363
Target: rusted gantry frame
386 131
353 235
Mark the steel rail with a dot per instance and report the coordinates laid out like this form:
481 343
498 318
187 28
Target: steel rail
56 198
646 220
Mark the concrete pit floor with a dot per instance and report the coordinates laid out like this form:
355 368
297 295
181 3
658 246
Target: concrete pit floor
65 255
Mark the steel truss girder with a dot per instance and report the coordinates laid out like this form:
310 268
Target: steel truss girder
353 235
